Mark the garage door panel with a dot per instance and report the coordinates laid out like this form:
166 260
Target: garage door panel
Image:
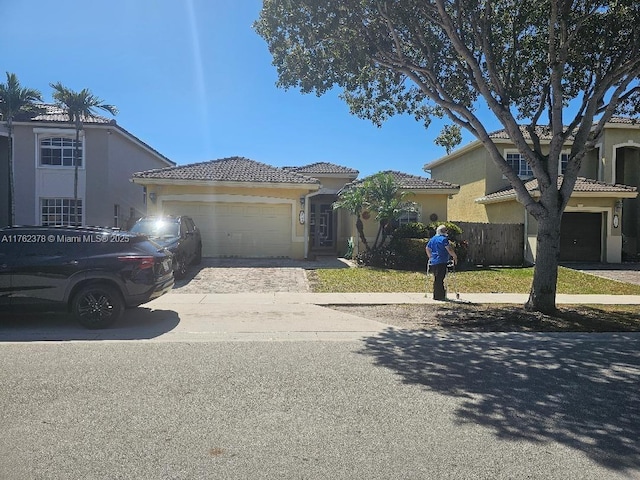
581 237
238 229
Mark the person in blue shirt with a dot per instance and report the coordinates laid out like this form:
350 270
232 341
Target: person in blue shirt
438 252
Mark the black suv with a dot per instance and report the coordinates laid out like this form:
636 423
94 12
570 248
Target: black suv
178 234
94 272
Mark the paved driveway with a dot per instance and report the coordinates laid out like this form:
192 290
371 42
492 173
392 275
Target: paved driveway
256 275
623 272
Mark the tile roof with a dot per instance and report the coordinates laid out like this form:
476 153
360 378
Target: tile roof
323 168
46 112
583 185
544 132
411 182
625 120
232 169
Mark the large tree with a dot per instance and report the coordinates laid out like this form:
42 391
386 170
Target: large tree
14 100
562 67
78 106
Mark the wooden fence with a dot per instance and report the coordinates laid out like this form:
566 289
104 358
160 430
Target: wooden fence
493 244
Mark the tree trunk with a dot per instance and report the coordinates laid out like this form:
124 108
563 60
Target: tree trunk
542 297
360 229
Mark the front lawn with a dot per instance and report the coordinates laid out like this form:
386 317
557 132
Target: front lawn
488 280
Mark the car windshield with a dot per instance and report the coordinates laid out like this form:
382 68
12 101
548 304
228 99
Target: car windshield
157 228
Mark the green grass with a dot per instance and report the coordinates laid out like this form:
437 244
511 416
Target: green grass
489 280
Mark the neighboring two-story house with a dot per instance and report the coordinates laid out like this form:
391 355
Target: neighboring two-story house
43 149
602 219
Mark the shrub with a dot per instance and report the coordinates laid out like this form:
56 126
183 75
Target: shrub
411 230
409 253
453 229
377 257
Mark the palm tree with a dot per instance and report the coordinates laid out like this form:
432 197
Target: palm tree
353 200
14 100
78 106
387 201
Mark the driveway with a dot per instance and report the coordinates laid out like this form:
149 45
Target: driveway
256 275
623 272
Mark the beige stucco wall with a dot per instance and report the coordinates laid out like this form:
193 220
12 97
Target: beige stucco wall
470 172
505 212
614 137
427 204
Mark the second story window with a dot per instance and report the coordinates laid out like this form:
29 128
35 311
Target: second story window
564 160
519 165
59 151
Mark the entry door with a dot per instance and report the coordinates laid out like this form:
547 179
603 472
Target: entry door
581 237
322 226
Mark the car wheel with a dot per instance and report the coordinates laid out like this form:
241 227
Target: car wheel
197 259
97 306
181 268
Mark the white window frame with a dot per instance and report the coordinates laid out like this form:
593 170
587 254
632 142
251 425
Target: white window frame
408 217
69 134
522 163
59 208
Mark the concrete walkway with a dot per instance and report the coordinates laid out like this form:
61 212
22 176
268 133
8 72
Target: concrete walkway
293 298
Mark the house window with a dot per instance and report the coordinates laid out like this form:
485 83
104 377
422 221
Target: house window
59 151
518 164
564 160
412 216
60 211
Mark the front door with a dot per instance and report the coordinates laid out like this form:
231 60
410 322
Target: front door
322 229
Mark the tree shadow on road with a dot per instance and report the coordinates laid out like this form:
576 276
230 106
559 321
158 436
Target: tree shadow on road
580 390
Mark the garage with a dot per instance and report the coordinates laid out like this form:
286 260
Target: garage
581 237
239 229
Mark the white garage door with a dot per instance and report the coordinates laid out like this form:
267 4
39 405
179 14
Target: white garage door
239 229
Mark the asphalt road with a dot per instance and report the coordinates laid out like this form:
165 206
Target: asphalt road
394 405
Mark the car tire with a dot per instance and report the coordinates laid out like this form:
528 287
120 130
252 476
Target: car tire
181 268
197 259
97 306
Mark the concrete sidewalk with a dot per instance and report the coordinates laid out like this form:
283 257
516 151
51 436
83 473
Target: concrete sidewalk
302 316
284 298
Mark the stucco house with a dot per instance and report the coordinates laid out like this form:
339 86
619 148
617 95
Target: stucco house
246 208
602 218
43 149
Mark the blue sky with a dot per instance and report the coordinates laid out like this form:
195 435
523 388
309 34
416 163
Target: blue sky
192 79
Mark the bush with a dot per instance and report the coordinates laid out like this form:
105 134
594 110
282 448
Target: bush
378 257
453 229
409 253
411 230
